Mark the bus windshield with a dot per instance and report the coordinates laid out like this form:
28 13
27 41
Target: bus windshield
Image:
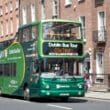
61 31
58 66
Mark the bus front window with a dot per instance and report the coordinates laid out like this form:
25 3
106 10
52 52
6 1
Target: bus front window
58 66
61 31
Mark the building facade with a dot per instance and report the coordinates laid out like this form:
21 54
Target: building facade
9 19
95 18
28 11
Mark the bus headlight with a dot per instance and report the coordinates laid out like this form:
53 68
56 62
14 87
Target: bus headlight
79 86
58 86
47 86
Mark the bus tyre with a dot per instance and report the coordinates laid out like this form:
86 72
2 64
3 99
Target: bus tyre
26 94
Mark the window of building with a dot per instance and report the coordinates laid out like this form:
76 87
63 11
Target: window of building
43 9
11 25
1 11
7 27
1 25
101 26
17 22
32 12
24 15
17 4
6 8
99 64
82 20
11 6
99 2
68 2
80 1
101 20
54 8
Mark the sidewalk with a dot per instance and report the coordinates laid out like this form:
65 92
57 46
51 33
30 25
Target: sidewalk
98 95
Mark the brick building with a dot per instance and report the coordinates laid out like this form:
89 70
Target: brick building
95 18
9 19
28 11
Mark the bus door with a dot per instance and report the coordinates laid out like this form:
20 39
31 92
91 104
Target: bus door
35 71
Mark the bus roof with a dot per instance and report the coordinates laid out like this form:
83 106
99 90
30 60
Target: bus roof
50 20
60 20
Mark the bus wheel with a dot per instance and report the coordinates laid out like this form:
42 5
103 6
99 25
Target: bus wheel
26 94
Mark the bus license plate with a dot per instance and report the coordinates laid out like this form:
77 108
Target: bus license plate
64 94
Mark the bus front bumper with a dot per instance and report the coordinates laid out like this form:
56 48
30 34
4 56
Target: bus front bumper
64 93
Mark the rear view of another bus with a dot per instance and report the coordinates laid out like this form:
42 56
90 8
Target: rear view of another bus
60 50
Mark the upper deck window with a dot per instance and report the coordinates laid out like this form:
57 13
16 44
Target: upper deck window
28 33
61 31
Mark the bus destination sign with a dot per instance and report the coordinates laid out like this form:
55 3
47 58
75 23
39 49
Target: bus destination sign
62 48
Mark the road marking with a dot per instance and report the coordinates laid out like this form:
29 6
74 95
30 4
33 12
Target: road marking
22 101
57 106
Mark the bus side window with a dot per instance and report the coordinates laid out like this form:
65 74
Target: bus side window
34 33
1 70
20 34
26 34
1 46
16 37
37 66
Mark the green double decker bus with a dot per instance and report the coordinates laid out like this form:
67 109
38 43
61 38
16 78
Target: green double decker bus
41 60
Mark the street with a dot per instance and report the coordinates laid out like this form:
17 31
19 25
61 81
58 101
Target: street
37 104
